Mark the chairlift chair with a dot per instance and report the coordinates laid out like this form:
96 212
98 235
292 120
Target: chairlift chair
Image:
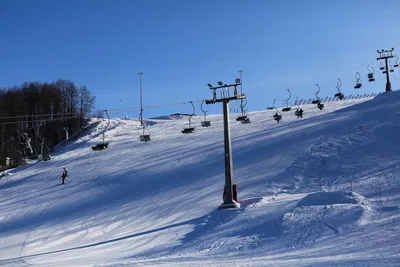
246 120
371 72
190 127
371 77
396 64
339 93
103 145
143 132
277 116
242 117
391 69
144 135
358 81
317 100
287 108
299 111
206 122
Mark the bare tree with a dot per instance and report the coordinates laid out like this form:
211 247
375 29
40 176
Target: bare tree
38 112
86 103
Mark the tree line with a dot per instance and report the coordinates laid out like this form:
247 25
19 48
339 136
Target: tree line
36 116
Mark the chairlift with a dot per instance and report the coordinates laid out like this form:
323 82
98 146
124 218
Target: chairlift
246 120
381 67
206 122
391 67
317 100
371 77
190 127
144 134
396 64
287 108
242 117
299 111
371 72
339 93
103 145
277 116
358 81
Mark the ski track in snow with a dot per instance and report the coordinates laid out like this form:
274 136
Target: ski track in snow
155 203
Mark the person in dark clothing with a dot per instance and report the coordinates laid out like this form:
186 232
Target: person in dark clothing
64 175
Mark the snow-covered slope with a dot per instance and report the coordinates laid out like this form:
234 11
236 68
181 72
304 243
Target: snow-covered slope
317 191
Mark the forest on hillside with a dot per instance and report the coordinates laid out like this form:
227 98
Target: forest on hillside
36 116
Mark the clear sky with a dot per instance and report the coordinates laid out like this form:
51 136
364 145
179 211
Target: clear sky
181 45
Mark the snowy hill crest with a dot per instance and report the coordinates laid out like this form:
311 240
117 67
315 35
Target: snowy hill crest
155 203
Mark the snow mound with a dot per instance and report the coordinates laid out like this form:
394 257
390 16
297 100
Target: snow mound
324 215
167 117
175 116
390 100
332 198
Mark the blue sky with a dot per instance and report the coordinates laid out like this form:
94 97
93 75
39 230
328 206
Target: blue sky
181 45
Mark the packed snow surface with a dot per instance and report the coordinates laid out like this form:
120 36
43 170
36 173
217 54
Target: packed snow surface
318 191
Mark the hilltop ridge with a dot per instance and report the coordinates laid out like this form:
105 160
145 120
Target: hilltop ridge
312 191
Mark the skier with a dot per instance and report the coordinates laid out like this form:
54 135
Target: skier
64 175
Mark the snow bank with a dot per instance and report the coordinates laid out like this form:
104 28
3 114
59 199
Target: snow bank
323 215
332 198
